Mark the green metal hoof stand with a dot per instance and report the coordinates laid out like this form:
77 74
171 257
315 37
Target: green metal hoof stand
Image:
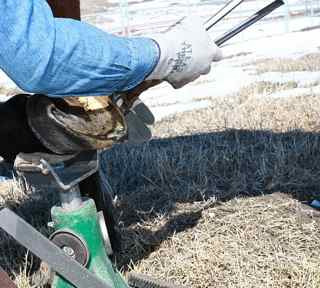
83 223
78 250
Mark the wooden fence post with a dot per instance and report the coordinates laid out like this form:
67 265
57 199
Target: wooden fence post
66 8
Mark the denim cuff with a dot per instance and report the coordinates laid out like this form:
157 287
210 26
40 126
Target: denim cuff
145 55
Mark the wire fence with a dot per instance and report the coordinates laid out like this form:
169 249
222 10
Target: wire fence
138 17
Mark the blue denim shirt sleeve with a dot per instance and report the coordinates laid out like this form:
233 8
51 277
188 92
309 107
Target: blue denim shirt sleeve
64 57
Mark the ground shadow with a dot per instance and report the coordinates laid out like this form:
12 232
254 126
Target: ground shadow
152 179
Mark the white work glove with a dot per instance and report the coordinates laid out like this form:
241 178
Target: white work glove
186 52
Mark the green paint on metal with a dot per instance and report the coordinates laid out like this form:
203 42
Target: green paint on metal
84 223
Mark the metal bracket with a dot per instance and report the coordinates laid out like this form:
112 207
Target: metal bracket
68 175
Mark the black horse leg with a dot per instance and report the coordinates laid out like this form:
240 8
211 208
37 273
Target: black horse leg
92 187
15 133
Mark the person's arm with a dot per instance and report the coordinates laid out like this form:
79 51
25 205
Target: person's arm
64 57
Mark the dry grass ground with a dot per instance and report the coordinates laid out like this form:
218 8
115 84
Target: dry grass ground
309 62
267 241
217 201
252 110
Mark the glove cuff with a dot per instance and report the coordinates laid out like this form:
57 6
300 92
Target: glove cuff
186 52
162 69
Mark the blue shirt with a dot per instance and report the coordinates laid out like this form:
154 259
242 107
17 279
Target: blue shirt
65 57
